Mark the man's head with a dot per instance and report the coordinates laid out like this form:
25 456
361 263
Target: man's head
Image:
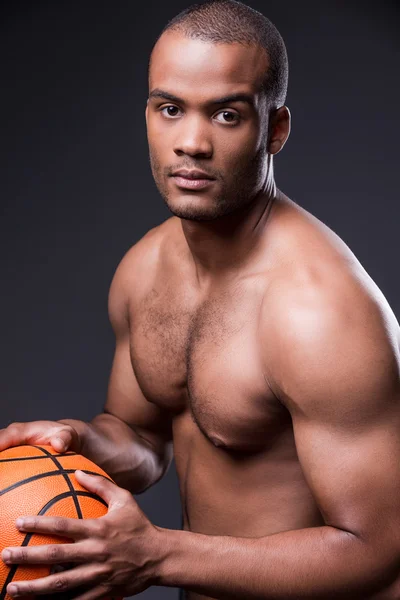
204 56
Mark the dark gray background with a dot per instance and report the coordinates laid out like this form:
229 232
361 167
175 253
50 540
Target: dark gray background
77 190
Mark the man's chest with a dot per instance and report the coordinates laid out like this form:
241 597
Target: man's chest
205 359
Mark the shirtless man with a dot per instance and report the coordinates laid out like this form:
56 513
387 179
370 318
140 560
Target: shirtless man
252 346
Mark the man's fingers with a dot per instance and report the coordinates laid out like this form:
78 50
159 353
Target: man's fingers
59 582
76 529
79 552
62 439
11 436
60 436
106 489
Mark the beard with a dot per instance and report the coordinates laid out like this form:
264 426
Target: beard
236 194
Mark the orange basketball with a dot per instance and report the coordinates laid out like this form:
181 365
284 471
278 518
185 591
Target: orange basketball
37 480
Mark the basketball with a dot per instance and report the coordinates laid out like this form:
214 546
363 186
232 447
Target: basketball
37 480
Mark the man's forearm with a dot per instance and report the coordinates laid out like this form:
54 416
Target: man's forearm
316 563
129 459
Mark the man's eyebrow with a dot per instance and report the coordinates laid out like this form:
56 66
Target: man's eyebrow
239 97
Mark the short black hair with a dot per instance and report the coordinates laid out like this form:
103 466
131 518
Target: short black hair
229 21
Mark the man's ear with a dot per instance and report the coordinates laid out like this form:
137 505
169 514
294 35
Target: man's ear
279 127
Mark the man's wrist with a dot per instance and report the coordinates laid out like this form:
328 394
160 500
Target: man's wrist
171 552
180 557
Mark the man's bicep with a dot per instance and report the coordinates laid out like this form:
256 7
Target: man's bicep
353 473
339 378
125 399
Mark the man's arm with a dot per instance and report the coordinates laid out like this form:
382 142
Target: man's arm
132 439
334 362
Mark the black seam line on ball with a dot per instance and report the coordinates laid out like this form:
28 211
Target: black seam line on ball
2 460
66 477
47 474
28 536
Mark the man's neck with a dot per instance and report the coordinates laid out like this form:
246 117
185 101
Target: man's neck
219 247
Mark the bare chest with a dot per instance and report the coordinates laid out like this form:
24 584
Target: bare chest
206 359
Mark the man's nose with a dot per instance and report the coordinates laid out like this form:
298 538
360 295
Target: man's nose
193 138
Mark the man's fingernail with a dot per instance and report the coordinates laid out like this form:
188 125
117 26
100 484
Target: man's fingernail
12 589
19 522
6 555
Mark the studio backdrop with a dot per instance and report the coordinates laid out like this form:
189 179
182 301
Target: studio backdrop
77 190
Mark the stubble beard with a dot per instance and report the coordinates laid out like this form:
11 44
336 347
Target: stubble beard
241 191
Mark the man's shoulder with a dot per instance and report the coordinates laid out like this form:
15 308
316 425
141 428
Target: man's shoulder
139 269
143 257
324 322
314 265
320 291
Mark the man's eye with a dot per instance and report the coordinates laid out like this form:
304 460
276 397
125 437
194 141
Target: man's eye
169 108
229 116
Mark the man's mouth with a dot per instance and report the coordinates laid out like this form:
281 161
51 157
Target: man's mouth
191 184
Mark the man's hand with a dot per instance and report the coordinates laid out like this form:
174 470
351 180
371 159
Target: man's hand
115 555
60 436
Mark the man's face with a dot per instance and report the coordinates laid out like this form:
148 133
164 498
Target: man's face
227 140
